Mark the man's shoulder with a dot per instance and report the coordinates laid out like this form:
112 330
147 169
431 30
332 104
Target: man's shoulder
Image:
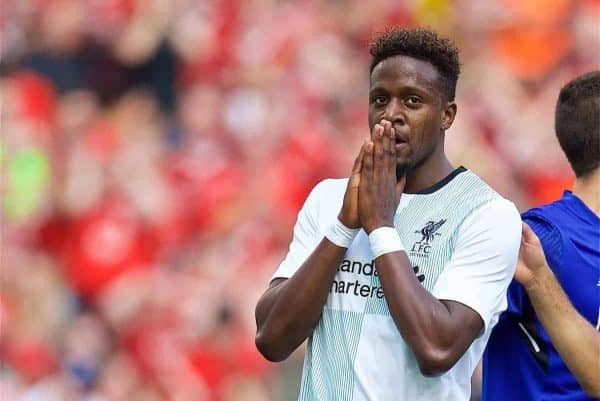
561 225
545 224
330 187
497 214
546 209
469 191
472 182
476 197
568 205
548 218
326 197
502 206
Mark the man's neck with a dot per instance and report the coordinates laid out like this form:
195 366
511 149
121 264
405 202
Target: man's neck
428 174
588 190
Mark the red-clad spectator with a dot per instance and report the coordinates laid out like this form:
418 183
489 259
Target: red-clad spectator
34 100
156 154
105 242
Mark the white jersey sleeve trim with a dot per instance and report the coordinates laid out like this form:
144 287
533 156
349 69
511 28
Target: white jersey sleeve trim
484 261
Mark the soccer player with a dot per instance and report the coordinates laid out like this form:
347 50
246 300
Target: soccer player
546 346
396 275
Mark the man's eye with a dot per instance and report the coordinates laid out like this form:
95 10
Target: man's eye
413 100
380 100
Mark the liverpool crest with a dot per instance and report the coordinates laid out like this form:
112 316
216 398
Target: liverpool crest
428 233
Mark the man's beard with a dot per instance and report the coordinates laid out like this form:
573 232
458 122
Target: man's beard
402 169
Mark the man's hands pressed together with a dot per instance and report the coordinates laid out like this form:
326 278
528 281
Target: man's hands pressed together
437 331
379 190
373 191
348 216
289 310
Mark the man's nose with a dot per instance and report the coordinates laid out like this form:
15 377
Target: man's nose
394 113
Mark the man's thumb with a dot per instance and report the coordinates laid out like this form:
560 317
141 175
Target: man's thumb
529 235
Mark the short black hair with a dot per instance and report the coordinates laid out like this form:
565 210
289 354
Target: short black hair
423 44
577 122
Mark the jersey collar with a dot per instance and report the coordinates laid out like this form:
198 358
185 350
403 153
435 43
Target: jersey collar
443 182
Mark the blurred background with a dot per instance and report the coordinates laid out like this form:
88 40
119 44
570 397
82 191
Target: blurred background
155 154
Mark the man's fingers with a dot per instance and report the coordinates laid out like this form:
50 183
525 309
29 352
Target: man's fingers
367 161
385 140
359 158
392 149
378 135
356 169
377 132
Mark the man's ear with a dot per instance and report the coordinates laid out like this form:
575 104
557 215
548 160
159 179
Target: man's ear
448 115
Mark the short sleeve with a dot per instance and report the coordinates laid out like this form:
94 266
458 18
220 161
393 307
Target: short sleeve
518 301
484 261
306 235
549 236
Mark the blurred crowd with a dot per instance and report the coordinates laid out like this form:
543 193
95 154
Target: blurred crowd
155 154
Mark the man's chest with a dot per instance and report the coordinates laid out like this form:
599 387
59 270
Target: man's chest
357 287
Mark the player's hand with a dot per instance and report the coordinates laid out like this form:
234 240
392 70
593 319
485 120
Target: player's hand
349 214
379 190
532 261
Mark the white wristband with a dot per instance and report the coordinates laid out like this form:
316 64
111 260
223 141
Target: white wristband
384 240
341 235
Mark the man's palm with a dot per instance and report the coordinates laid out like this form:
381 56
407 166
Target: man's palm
349 213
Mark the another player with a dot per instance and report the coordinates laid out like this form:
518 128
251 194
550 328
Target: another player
546 346
396 275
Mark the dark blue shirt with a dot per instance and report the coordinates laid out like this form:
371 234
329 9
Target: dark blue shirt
520 363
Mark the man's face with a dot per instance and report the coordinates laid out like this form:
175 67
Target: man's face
406 92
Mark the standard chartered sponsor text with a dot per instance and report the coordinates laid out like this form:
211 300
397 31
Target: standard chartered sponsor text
355 287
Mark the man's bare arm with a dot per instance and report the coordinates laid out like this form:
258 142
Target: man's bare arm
289 310
575 339
438 332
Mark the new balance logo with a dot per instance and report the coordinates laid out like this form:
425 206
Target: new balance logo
420 277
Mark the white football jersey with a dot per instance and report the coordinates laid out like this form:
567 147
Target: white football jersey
462 239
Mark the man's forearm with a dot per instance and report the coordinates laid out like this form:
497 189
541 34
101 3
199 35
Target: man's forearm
287 314
436 337
575 339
